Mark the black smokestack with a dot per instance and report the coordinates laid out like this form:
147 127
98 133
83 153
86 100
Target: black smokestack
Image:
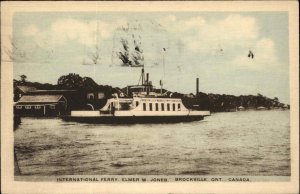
147 78
143 76
147 83
197 86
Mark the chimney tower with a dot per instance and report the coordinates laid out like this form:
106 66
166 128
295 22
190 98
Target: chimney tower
147 78
197 86
143 74
147 83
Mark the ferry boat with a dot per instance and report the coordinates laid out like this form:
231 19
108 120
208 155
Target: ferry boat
141 104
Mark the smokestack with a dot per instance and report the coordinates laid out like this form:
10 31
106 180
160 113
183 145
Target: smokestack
197 86
147 83
143 76
147 78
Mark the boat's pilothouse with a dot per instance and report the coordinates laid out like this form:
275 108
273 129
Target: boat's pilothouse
145 89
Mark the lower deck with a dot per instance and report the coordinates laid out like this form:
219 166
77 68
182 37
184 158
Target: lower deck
137 113
132 119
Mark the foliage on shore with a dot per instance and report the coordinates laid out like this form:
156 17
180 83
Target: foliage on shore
71 81
201 101
225 103
228 103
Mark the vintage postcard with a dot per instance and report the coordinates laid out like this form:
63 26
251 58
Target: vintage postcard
149 97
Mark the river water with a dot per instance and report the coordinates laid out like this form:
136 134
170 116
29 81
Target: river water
255 143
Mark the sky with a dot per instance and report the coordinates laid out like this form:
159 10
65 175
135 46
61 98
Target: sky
176 47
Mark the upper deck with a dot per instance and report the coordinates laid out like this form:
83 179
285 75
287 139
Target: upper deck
138 106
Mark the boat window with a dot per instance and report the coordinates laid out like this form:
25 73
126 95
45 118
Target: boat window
101 95
173 107
150 106
162 107
144 106
178 106
90 96
156 106
19 107
27 107
136 103
38 107
52 106
168 107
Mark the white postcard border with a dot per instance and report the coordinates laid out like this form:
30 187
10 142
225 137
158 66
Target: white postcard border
9 185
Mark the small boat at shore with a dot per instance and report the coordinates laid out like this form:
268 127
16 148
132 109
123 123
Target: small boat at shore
142 105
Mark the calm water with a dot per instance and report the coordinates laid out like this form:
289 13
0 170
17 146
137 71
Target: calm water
239 143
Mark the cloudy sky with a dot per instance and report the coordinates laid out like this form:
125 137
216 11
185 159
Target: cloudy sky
213 46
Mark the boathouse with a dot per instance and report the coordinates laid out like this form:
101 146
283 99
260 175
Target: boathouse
74 97
41 105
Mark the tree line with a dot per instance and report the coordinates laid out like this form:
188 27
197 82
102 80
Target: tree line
201 101
71 81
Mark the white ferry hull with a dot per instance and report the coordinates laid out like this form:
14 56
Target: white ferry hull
133 119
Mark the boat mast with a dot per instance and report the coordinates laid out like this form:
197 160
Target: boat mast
163 79
164 64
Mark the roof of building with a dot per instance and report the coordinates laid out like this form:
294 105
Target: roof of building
52 92
40 99
26 89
